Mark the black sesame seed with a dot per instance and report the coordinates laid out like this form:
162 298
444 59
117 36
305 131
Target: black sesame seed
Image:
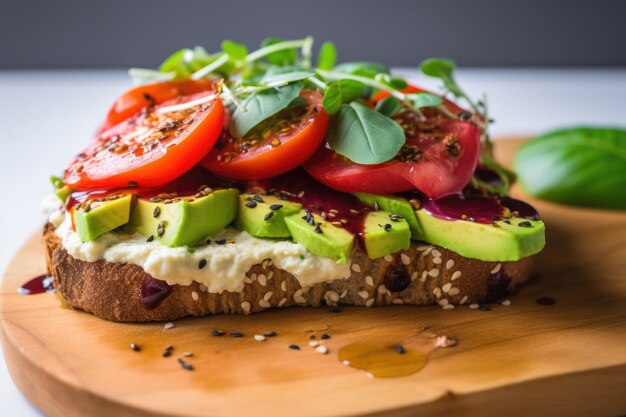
395 217
270 333
387 227
294 347
325 336
217 333
507 221
156 212
185 365
208 241
169 347
257 198
251 204
135 347
268 216
150 239
221 241
334 309
236 334
546 301
525 224
202 263
484 307
400 349
318 228
276 207
167 353
312 337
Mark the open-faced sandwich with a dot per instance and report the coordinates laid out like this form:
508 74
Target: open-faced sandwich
237 182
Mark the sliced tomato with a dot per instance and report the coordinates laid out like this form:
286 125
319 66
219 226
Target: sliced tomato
275 147
151 148
134 100
438 158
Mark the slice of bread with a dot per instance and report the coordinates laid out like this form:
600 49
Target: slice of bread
423 274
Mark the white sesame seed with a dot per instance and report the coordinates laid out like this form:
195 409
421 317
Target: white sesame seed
474 306
454 291
406 260
264 265
363 294
168 326
388 258
437 261
253 276
271 274
282 302
331 296
283 285
245 306
247 280
437 292
433 272
506 303
270 263
436 253
424 276
414 276
369 302
450 263
428 250
343 294
383 290
262 279
346 362
443 302
264 303
298 298
259 338
356 267
496 268
268 295
463 300
446 287
369 280
195 295
448 307
397 301
456 275
321 349
314 343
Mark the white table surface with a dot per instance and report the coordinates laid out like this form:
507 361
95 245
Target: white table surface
48 116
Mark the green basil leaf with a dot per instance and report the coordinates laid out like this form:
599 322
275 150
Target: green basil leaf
288 77
339 92
178 62
327 57
234 50
388 106
281 58
399 83
260 106
363 135
363 68
443 69
424 99
583 166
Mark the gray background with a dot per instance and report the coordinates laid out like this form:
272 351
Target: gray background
123 33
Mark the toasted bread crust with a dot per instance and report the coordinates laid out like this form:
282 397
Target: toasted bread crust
436 276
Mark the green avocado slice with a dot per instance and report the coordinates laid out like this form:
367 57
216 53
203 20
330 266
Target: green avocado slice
102 217
384 234
264 216
186 221
395 205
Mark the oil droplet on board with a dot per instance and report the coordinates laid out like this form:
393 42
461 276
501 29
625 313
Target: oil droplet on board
382 360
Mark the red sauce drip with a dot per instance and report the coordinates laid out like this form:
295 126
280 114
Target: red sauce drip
477 208
523 209
37 285
154 292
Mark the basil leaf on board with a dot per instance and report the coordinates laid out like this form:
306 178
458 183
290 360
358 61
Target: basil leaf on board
364 135
424 99
363 68
327 57
280 58
260 106
340 92
583 166
388 106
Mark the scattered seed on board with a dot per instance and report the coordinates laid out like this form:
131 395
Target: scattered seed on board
325 336
270 333
321 349
168 326
236 334
259 338
314 343
185 365
135 347
294 347
218 333
400 349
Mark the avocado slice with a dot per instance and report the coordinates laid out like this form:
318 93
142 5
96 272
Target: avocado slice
504 240
394 205
385 233
264 216
185 221
319 236
95 218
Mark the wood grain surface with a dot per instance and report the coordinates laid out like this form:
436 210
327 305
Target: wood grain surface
524 359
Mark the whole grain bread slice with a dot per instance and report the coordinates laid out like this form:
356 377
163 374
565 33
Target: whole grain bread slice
424 274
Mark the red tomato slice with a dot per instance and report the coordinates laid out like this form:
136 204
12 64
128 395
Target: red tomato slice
133 101
439 158
150 149
275 148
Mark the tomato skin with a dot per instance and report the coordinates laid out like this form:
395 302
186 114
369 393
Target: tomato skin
265 161
433 175
176 152
134 100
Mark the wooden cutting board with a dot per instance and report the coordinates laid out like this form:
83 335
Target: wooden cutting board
524 359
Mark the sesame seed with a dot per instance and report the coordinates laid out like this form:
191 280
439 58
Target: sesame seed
262 280
446 287
264 303
257 198
236 334
221 241
363 294
334 309
185 365
314 343
294 347
414 276
369 280
298 298
135 347
321 349
259 338
484 307
245 306
270 333
448 307
437 261
454 291
276 207
397 301
400 349
370 302
318 228
331 296
436 253
463 300
268 295
167 353
251 204
433 272
356 267
387 227
168 326
450 263
325 336
353 211
202 263
496 269
268 216
282 302
395 217
150 238
156 212
506 303
187 354
195 295
474 306
443 302
455 276
217 333
283 285
546 301
525 224
388 258
406 260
